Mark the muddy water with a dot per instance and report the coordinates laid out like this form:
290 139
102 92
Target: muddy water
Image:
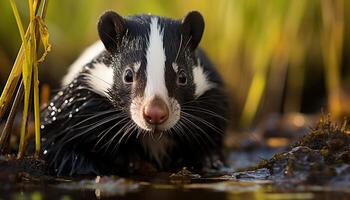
16 184
317 167
119 188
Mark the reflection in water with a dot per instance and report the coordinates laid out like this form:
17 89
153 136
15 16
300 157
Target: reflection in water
230 190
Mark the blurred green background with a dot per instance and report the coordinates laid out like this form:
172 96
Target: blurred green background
276 56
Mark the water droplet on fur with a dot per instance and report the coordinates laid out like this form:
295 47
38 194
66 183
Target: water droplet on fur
71 85
60 93
59 110
77 110
53 113
65 101
70 115
71 99
42 126
52 104
54 119
45 151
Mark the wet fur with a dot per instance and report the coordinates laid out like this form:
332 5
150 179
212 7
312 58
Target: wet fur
87 133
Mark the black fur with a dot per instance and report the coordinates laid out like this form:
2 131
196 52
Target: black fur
82 130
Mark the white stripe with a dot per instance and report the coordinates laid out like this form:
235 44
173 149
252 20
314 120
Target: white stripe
100 79
201 80
87 56
155 68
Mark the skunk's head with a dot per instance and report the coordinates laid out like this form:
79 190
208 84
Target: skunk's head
153 66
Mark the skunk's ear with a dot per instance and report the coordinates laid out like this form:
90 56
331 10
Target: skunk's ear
192 28
111 29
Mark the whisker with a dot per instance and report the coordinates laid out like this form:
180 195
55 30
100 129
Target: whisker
209 112
128 129
105 133
182 131
187 42
69 138
89 75
202 110
205 133
160 136
131 132
201 98
88 125
178 51
184 124
152 135
204 122
92 117
113 138
140 131
112 38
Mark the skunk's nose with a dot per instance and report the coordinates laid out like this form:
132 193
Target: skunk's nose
156 111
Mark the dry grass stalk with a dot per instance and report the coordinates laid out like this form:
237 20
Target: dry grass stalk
26 68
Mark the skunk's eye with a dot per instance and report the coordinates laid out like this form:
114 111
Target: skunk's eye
128 76
182 78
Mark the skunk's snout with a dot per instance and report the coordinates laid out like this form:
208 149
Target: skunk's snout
156 111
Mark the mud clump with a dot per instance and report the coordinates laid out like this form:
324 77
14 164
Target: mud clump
321 157
24 169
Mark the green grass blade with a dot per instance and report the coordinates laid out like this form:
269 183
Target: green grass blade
36 111
18 20
25 114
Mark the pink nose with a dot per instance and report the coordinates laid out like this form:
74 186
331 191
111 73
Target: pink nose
156 111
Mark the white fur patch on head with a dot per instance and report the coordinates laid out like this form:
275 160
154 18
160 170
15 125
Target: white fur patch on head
100 79
200 80
86 57
155 68
155 83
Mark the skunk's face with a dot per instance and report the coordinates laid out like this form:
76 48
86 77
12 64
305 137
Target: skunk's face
154 66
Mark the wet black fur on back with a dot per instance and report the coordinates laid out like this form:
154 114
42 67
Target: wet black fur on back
83 132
